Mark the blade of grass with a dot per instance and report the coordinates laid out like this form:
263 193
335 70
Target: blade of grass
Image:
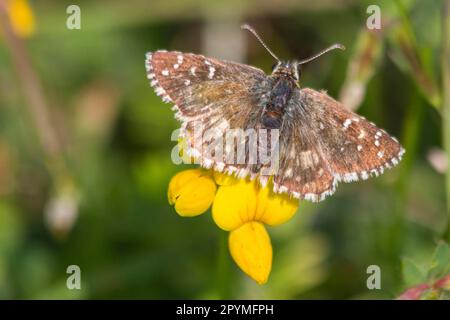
31 87
363 64
446 99
411 58
411 134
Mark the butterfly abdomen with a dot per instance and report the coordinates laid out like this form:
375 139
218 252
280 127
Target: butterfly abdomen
280 95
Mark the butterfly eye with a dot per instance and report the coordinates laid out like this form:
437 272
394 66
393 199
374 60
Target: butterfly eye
274 66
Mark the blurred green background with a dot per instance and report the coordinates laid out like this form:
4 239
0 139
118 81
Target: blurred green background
85 150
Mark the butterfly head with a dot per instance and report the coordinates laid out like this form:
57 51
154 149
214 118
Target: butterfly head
290 69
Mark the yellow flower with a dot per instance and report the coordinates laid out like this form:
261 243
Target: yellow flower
240 206
21 17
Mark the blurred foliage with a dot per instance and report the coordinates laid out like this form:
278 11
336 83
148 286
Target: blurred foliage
107 209
428 279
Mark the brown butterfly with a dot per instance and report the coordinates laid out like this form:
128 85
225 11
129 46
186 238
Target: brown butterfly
320 142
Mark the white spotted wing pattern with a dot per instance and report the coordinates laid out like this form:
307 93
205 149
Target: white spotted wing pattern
321 143
214 94
328 144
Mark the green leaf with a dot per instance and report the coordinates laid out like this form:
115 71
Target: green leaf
440 264
412 273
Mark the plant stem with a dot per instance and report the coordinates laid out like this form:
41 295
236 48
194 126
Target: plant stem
412 132
36 102
446 100
410 49
223 267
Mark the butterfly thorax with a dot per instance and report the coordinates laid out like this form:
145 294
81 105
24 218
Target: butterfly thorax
283 85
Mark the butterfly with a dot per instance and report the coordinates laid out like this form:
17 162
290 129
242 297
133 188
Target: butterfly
319 142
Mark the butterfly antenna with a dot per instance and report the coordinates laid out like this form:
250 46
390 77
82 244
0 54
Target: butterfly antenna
334 46
247 27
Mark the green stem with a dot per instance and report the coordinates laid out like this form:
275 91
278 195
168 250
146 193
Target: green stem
223 267
412 53
446 100
411 140
411 134
405 22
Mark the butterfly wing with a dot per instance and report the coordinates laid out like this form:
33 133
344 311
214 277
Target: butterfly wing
320 144
329 144
210 96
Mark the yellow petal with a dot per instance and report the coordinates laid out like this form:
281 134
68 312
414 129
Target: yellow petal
251 249
22 18
192 192
234 205
274 208
243 201
223 179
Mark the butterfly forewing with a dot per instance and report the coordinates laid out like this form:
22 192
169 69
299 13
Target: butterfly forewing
355 148
177 76
210 96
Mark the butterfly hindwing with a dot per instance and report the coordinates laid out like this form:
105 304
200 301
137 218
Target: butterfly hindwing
303 171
